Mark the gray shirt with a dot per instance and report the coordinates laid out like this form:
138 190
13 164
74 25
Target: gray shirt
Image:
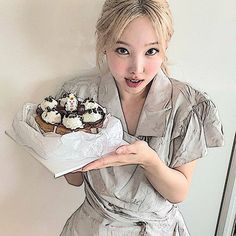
179 123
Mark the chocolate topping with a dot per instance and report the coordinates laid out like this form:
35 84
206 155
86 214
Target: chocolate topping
50 98
88 99
65 95
72 115
39 110
81 110
100 110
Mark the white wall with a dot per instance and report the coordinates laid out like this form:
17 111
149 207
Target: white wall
43 43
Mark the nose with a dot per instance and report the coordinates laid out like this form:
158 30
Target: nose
136 66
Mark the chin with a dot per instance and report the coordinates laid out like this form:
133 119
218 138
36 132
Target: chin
135 91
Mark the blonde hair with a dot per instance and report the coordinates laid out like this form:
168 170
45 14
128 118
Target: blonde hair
117 14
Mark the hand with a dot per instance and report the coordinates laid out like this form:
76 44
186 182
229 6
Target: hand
136 153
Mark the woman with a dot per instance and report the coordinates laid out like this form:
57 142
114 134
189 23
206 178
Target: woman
169 124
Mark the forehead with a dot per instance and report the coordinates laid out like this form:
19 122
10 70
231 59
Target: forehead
139 31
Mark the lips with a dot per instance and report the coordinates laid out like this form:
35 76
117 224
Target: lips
133 83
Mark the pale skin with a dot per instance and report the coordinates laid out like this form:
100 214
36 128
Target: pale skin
139 57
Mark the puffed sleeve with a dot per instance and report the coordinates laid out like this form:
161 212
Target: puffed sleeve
70 86
200 129
83 86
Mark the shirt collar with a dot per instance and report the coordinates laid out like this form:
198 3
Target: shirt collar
156 109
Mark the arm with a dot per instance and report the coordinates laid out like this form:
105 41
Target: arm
172 184
75 178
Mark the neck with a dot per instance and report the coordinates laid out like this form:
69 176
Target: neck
125 97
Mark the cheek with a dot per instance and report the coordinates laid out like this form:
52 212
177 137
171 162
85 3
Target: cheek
116 66
153 67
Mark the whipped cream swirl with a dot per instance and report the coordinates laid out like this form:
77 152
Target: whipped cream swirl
72 121
48 102
51 116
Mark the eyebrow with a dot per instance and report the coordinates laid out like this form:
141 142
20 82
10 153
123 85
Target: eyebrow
148 44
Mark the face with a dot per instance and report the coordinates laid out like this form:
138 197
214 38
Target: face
135 58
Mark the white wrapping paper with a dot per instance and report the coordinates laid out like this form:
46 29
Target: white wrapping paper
63 154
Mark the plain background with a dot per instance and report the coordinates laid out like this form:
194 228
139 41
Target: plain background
43 43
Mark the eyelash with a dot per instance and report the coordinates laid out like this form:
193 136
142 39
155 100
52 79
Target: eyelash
151 49
126 52
118 50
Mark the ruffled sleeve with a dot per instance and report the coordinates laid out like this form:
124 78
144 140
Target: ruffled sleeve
200 129
83 86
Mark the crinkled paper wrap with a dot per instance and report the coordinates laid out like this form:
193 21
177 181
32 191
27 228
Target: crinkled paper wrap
62 154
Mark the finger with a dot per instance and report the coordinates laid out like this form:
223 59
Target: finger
101 163
127 149
112 160
75 171
90 166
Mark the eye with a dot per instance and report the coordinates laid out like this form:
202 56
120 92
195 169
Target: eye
122 51
152 52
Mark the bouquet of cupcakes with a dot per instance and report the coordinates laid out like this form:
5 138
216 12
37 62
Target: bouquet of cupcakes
51 132
69 114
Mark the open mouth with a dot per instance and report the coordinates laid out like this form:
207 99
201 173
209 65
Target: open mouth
133 83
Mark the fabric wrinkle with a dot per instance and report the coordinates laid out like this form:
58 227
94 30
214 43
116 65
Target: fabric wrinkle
178 123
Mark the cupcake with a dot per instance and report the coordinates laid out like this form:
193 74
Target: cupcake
93 116
73 121
68 114
69 102
48 102
51 116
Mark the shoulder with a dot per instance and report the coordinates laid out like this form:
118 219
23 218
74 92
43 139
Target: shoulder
84 85
82 81
193 112
186 95
188 101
